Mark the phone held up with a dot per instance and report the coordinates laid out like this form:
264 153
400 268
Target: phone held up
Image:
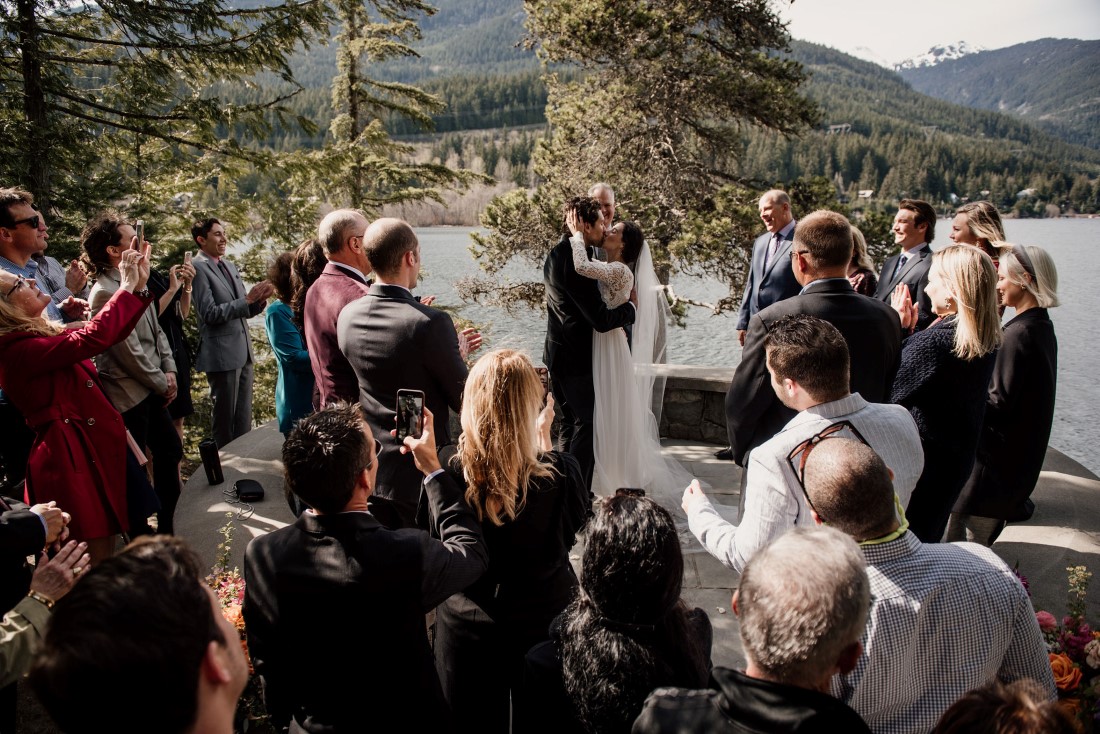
410 414
186 257
544 378
139 229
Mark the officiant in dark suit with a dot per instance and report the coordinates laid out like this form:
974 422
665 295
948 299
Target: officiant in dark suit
394 342
574 309
819 259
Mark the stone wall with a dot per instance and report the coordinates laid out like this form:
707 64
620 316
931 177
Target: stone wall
694 405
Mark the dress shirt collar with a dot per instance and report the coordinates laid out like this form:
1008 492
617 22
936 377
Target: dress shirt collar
787 233
907 545
390 289
350 269
812 283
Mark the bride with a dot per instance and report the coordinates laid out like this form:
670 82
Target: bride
627 389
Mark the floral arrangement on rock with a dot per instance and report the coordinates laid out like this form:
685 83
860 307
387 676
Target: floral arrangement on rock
228 586
1074 650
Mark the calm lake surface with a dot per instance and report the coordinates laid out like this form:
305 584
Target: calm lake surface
711 340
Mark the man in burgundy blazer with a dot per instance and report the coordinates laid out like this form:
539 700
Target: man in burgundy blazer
342 281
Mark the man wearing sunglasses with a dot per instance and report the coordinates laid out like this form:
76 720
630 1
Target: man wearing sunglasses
946 618
808 361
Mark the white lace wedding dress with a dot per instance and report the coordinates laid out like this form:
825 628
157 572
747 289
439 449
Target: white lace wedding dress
628 392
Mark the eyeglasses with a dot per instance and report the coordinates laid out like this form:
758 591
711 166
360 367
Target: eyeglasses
800 453
20 281
798 252
32 221
377 453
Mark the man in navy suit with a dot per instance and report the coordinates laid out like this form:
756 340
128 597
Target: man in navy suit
225 344
770 276
914 229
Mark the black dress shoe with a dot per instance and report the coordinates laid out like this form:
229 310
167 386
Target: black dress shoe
725 454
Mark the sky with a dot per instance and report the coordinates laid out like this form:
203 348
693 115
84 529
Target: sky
881 30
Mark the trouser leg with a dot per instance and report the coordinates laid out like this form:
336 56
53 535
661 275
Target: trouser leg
242 411
576 397
167 450
223 395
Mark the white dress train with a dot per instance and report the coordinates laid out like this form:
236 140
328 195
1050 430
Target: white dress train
626 441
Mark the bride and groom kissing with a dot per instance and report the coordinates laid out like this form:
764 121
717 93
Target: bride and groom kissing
601 379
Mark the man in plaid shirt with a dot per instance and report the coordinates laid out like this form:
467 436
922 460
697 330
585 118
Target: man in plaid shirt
945 618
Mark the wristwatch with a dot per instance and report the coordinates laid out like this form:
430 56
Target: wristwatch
143 293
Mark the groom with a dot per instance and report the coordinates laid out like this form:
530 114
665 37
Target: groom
574 309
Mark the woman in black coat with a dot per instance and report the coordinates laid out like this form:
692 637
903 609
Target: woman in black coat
532 501
1020 408
944 376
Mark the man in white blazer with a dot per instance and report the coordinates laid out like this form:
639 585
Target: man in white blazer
807 358
225 347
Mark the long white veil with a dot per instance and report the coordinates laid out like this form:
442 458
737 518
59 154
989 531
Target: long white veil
628 394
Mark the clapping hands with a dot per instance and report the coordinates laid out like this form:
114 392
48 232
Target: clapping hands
469 340
902 302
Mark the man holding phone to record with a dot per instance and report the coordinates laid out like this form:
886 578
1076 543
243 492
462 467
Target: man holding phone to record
393 342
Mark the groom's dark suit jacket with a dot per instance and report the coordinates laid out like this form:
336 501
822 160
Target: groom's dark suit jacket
915 277
574 309
394 342
871 328
335 605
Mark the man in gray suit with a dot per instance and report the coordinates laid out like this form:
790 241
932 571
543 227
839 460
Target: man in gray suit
807 359
225 346
394 342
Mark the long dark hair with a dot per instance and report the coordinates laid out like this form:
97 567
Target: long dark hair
627 632
309 261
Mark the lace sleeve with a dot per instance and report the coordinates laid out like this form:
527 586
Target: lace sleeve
614 275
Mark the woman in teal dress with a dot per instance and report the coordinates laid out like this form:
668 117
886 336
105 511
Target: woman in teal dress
294 391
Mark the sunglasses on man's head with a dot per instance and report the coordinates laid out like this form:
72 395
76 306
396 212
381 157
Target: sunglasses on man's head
800 453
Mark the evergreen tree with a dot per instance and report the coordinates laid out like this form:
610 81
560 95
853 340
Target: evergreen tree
669 89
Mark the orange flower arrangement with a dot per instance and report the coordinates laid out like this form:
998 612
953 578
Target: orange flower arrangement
1067 676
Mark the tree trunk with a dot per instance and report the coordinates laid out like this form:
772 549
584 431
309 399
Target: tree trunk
35 147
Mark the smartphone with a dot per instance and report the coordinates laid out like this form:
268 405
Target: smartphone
139 228
544 378
410 414
186 257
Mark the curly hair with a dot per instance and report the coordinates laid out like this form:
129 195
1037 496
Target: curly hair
498 448
98 234
309 262
627 631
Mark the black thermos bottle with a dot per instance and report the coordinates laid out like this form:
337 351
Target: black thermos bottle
211 461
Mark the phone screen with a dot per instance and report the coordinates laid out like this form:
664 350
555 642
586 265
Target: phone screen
410 414
187 256
544 378
139 229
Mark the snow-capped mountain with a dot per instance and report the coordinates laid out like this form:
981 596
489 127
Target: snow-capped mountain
939 54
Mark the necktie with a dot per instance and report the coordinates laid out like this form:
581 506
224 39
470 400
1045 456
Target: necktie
902 259
772 249
228 277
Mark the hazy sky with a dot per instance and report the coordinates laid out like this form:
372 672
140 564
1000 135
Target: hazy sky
890 33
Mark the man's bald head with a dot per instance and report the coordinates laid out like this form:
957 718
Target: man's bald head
386 242
850 488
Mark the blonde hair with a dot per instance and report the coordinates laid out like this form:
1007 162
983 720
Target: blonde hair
13 320
969 275
860 258
498 447
1044 286
984 222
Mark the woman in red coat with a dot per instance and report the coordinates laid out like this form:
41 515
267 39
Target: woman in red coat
79 453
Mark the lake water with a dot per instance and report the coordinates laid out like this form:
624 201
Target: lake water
711 340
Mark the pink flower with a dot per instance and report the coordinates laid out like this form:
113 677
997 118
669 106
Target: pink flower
1047 622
